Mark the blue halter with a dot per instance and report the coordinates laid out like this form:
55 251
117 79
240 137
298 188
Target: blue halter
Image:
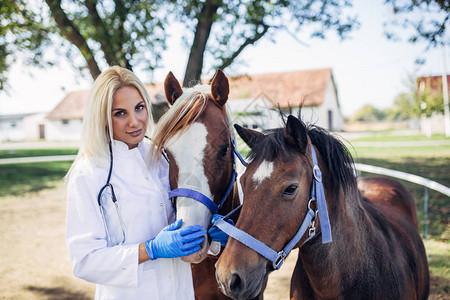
213 207
277 258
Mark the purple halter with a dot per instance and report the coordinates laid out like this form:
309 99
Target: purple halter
213 207
277 258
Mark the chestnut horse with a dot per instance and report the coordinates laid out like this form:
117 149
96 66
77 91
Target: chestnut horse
363 247
196 136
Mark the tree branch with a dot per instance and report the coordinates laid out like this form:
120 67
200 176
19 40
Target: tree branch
249 41
121 12
103 37
72 33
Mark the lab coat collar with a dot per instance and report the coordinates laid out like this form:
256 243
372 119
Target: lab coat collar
120 149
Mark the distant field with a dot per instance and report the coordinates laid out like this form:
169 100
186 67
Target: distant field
392 137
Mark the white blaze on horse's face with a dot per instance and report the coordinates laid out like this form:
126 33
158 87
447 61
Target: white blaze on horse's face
188 151
264 171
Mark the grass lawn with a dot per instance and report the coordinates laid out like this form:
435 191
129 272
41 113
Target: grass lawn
18 179
429 162
439 264
37 152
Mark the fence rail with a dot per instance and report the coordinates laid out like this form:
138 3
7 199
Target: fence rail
427 183
35 159
405 176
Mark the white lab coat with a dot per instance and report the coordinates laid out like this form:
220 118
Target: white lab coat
142 197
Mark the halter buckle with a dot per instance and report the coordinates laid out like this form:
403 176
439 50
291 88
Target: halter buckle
317 173
279 260
312 230
310 202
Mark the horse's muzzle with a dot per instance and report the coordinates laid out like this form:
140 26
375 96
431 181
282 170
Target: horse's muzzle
243 276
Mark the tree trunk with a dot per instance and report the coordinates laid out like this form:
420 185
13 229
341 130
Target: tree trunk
195 63
72 33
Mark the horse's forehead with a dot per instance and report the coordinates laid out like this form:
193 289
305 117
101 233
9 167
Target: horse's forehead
282 166
214 118
262 172
192 140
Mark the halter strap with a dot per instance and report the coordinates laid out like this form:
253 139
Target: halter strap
277 258
237 154
318 193
214 208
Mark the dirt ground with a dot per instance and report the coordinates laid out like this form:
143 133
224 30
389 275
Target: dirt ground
34 262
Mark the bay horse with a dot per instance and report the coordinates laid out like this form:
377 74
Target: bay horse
358 248
196 136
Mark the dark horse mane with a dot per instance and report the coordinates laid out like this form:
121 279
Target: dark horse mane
334 153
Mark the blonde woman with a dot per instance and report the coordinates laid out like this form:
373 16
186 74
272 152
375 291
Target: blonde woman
120 231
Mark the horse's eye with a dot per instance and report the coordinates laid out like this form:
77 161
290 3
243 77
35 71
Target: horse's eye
290 190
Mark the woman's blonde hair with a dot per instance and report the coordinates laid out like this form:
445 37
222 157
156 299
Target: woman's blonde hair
95 133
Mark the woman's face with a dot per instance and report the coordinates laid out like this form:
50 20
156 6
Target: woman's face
129 116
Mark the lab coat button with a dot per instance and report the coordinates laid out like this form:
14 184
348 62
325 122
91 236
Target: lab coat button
161 204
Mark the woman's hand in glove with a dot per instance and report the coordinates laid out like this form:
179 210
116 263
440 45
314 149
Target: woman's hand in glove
175 242
216 234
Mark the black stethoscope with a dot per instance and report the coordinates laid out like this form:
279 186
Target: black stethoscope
114 200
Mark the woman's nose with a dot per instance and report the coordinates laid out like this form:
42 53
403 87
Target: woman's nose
133 120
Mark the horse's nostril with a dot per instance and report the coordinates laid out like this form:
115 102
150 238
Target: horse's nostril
236 283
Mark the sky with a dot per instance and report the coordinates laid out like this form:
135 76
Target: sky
367 68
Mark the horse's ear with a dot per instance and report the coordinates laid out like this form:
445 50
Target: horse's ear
220 88
250 137
295 133
172 88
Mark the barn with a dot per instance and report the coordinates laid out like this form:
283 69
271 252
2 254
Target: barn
255 99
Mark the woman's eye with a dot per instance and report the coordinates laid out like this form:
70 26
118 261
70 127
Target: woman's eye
139 107
119 113
290 190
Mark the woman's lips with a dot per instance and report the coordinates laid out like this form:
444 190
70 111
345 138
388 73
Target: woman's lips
135 133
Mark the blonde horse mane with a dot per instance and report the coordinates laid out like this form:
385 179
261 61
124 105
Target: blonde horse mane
185 111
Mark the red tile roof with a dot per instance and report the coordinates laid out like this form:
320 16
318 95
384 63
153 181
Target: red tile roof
285 89
71 107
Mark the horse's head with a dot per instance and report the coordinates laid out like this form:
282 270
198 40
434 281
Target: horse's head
276 186
196 136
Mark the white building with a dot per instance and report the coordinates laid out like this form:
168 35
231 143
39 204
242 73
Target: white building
64 121
11 127
34 126
255 99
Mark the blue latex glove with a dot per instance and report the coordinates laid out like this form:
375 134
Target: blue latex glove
216 234
174 242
